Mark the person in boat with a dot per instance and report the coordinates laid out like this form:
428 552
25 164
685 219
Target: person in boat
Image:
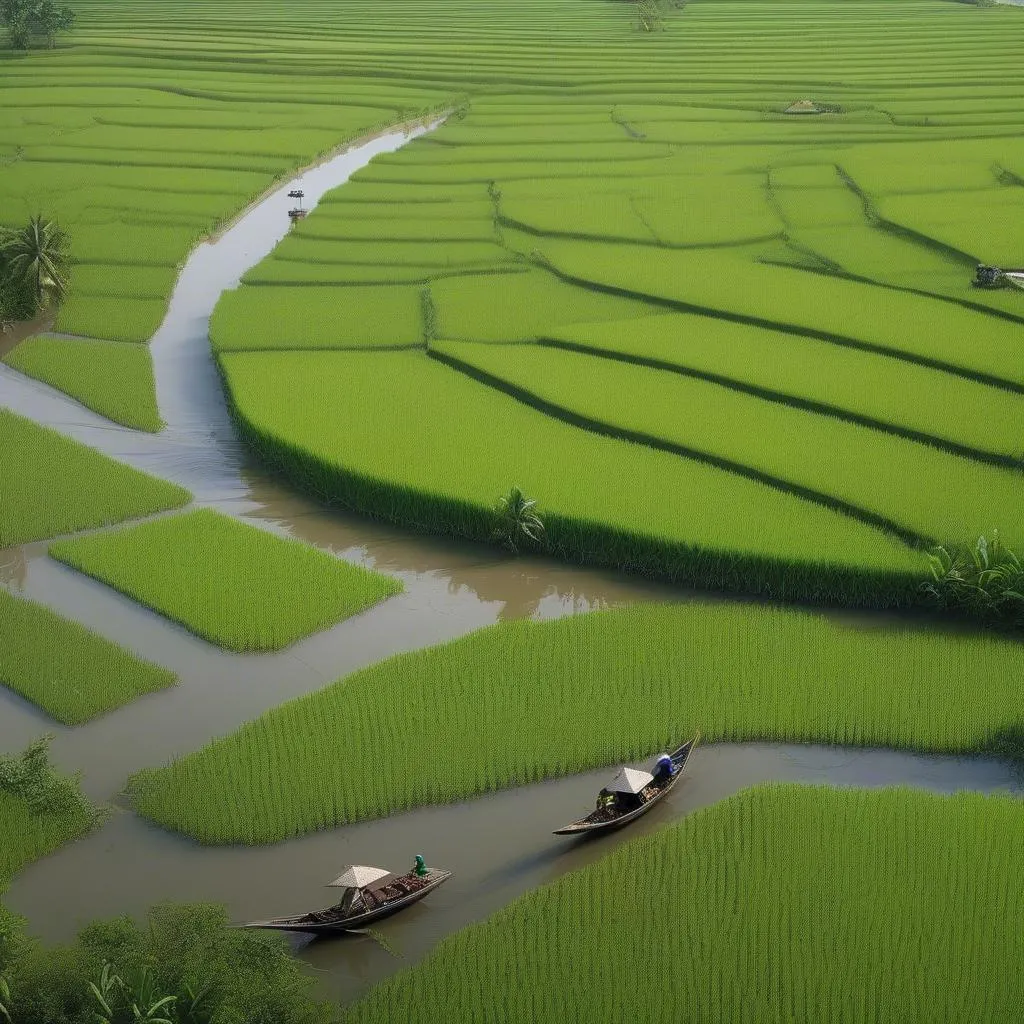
605 800
420 869
664 769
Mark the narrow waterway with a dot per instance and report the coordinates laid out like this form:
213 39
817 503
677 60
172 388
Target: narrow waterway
499 846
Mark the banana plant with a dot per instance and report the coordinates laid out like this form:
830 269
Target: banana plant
121 1003
987 579
5 1001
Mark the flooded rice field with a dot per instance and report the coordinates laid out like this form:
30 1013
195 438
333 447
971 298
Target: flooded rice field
500 846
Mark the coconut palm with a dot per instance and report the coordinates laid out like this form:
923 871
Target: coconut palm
517 520
36 258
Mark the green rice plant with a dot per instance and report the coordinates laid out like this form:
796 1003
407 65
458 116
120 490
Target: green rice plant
111 318
892 394
443 472
910 485
522 307
521 689
232 584
109 377
69 671
438 255
50 484
984 224
908 326
318 318
755 909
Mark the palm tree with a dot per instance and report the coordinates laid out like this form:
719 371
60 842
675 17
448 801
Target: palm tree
517 520
36 258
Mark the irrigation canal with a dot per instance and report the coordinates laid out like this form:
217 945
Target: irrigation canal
500 846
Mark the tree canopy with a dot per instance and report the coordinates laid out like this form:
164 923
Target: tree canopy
34 22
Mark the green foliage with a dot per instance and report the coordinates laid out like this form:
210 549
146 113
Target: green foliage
517 521
69 671
35 22
50 484
640 678
187 966
40 810
230 583
35 260
31 778
136 1001
109 377
986 580
784 902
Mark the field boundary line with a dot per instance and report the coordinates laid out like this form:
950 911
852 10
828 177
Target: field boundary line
794 401
911 538
681 306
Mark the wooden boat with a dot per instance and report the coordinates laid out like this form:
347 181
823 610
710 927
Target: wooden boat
604 819
361 906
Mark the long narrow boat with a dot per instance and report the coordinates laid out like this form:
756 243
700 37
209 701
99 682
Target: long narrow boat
367 906
604 819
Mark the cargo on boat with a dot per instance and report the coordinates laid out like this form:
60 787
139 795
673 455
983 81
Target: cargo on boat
370 894
633 792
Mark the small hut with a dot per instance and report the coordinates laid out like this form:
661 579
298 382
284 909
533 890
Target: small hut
803 107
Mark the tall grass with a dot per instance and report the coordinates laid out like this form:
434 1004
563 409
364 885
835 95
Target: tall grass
51 485
523 701
782 903
230 583
69 671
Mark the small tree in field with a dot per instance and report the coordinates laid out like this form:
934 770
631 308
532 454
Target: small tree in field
34 263
34 22
517 520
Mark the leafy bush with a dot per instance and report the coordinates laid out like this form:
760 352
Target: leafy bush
30 777
986 580
187 966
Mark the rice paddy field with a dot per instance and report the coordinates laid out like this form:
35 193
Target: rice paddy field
724 346
497 708
70 672
232 584
51 485
854 906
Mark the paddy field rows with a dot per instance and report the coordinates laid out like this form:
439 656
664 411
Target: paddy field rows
847 906
719 344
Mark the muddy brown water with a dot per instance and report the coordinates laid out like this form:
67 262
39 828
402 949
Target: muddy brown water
499 846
